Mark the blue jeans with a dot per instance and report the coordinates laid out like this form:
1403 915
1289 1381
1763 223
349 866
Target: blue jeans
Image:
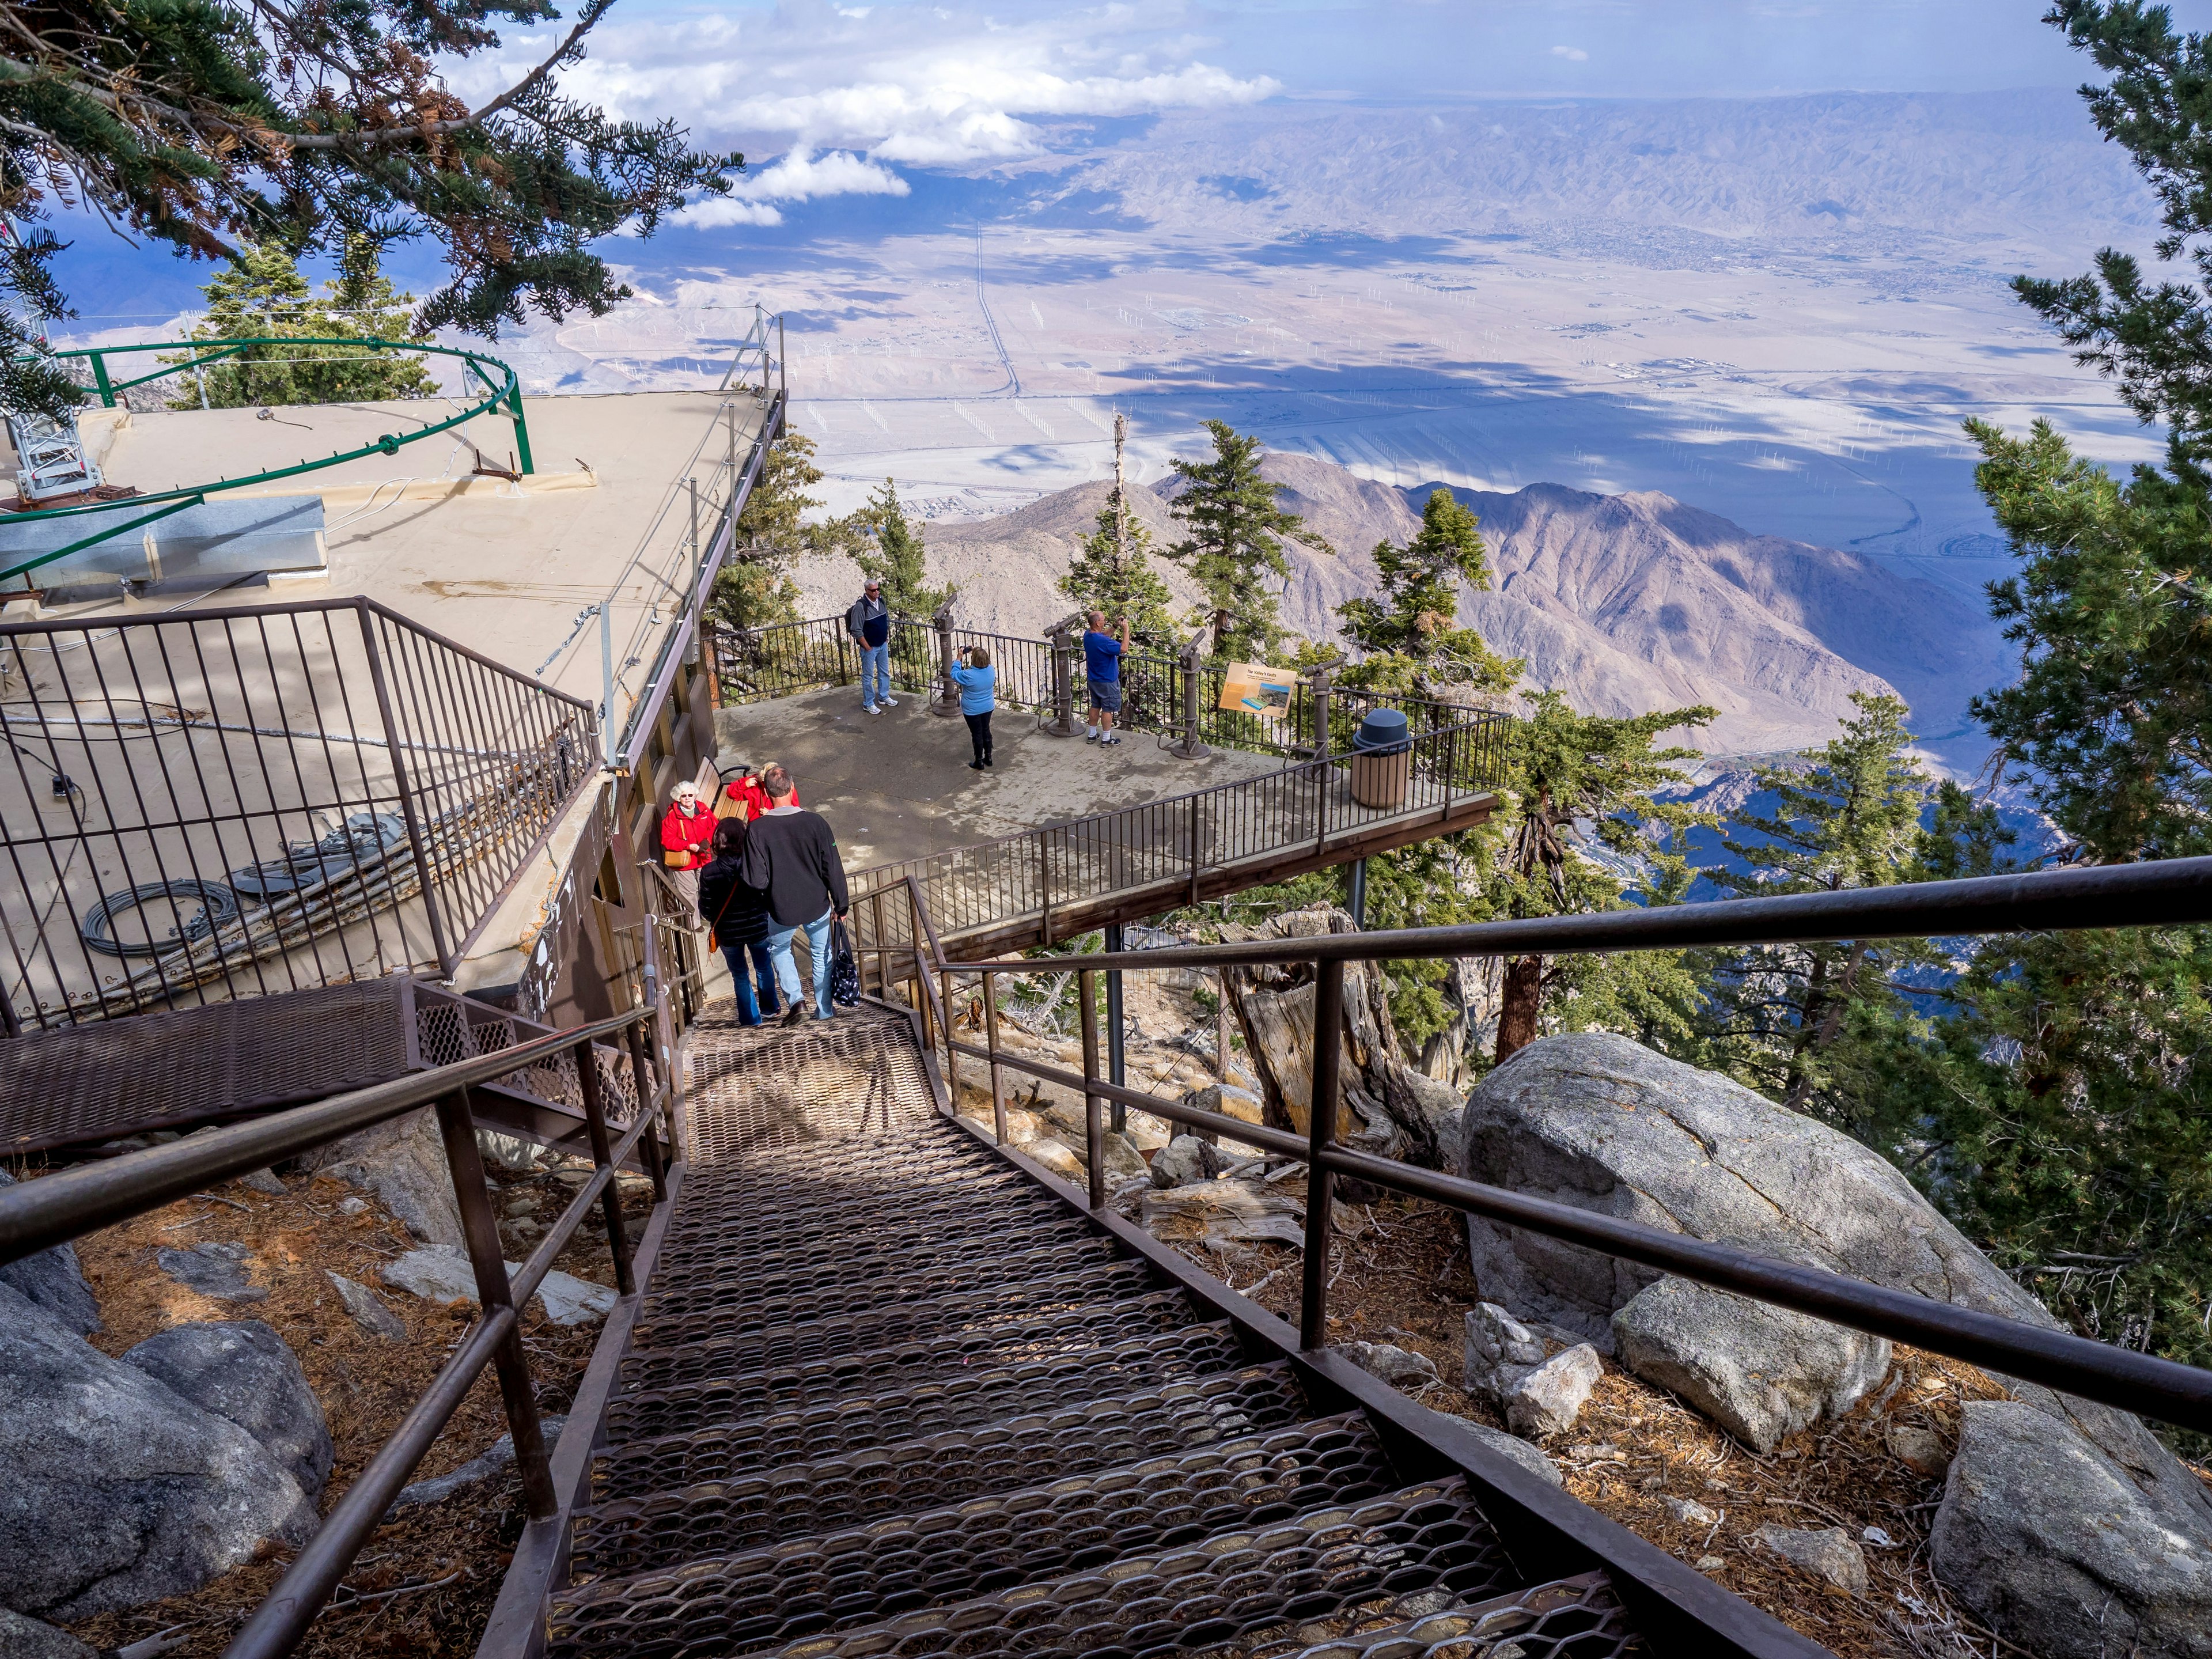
875 673
787 971
750 1011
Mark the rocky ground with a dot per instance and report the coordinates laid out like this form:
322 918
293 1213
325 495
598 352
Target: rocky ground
368 1349
1829 1528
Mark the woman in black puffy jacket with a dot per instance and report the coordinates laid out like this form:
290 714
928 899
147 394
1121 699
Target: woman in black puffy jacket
739 916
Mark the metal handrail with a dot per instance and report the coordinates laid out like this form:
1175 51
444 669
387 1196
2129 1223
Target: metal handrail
35 1215
498 396
2168 892
2173 892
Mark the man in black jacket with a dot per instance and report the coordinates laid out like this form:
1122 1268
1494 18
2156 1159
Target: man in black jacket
790 854
869 622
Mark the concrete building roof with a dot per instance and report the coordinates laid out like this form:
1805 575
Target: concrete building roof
501 567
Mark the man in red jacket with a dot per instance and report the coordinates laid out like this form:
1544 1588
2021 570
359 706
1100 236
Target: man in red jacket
687 836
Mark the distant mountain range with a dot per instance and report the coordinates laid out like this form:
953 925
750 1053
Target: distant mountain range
1626 603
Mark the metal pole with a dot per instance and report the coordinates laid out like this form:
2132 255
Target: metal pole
642 1072
409 816
607 679
1190 748
457 1126
1117 1068
522 432
1321 1128
947 700
1195 862
951 1055
1094 1122
595 1121
1221 1027
1044 887
1062 723
991 1043
664 1034
1359 892
692 484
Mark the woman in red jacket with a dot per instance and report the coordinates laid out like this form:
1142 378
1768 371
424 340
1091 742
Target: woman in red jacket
687 836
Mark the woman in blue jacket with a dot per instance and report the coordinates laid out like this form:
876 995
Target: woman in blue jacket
979 694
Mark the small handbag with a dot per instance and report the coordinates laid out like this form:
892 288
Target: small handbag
844 971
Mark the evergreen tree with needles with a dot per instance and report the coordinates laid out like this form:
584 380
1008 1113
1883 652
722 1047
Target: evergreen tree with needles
1235 548
264 295
755 588
1794 1020
890 548
217 127
1582 788
1408 634
1112 572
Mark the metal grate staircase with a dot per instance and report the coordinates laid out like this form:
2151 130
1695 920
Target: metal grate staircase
178 1068
888 1391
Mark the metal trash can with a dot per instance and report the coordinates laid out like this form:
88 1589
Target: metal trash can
1382 760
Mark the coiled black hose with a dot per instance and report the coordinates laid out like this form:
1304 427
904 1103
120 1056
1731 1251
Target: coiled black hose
218 904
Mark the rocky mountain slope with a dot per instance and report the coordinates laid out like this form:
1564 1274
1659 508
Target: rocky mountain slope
1626 603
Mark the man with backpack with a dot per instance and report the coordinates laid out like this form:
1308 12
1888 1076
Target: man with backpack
869 622
790 854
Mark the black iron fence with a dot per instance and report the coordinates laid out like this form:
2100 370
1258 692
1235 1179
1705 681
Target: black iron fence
231 802
2172 893
1158 695
1181 844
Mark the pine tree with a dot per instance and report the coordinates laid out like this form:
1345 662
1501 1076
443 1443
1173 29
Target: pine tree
891 551
1235 549
1420 581
754 589
1787 1016
2111 720
212 127
1408 637
263 294
1580 783
1112 572
2070 1105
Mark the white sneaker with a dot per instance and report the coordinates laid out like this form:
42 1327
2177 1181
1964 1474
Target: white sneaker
873 709
890 702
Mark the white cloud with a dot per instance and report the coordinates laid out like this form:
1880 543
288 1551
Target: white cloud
797 176
927 85
1572 54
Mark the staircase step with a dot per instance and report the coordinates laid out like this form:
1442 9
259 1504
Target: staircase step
722 1518
729 1218
854 1422
1578 1618
849 1257
1242 1593
799 1587
1051 1359
977 1314
695 1308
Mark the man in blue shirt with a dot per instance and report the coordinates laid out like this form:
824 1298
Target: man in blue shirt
869 622
1102 667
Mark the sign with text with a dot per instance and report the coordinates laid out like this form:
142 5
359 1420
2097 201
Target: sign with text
1253 688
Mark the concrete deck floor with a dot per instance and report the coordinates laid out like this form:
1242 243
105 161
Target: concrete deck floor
896 786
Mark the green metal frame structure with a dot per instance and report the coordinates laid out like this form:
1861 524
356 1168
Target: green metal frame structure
502 394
